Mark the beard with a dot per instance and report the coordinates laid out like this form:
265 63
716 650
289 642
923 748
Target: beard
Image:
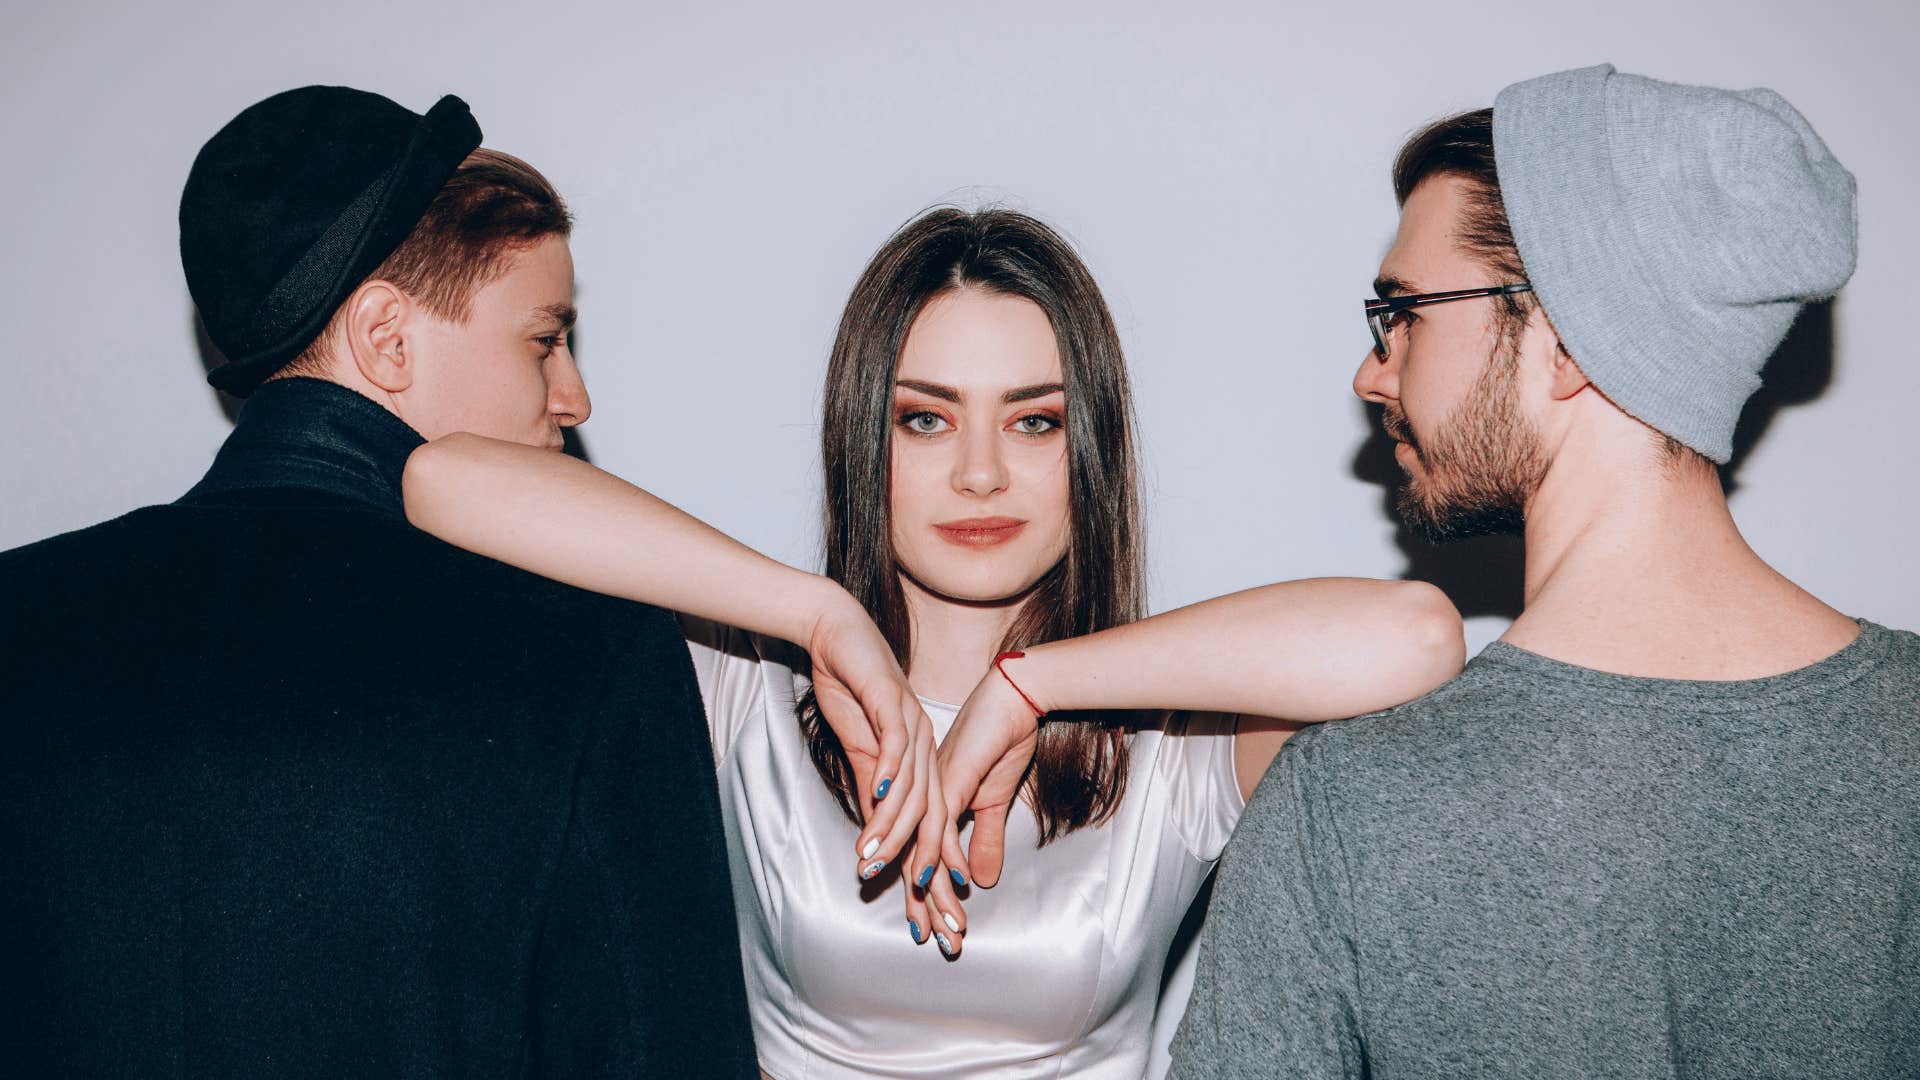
1480 468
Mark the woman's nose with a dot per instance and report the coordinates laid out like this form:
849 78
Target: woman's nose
982 469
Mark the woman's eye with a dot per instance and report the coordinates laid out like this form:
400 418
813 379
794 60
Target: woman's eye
1036 424
924 423
1402 318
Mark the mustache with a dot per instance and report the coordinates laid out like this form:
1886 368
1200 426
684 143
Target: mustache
1395 423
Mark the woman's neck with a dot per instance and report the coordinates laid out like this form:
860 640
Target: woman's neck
954 641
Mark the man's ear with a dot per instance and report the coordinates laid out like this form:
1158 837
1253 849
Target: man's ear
1565 377
378 318
1568 379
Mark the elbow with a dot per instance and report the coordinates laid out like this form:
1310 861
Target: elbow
1435 636
429 471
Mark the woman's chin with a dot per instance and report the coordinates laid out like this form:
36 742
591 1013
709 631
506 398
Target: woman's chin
993 591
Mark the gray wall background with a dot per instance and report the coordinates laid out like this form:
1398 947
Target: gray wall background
1223 168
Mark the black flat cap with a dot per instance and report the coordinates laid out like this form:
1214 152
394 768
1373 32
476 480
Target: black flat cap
292 204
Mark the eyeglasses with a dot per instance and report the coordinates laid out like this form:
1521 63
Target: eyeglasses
1381 313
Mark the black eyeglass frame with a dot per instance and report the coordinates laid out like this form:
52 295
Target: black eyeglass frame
1379 311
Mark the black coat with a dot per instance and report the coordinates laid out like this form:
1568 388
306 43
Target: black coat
288 788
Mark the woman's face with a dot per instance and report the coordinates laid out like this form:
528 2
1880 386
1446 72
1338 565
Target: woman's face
979 448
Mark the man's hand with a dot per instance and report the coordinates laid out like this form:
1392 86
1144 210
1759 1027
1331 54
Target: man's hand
981 764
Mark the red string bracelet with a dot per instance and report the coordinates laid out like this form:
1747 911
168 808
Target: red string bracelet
1016 654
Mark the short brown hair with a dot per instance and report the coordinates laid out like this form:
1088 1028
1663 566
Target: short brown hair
1462 146
493 206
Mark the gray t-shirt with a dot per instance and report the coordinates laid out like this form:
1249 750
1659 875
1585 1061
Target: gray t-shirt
1541 870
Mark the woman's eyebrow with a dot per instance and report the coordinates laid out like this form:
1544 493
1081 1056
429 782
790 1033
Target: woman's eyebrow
948 393
1028 393
944 393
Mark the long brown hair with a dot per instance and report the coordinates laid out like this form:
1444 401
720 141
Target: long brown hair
1079 771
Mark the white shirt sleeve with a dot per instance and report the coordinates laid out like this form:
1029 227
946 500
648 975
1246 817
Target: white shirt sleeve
727 665
1196 764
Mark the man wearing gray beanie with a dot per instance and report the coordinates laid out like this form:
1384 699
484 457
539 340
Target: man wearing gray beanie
1669 825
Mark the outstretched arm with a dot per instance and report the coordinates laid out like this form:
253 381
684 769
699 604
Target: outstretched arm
567 520
1298 652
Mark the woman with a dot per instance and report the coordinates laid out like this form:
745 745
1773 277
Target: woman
980 497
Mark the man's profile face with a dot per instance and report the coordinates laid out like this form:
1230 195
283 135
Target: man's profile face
507 372
1450 385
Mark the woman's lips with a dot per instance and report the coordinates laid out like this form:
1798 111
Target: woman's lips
980 532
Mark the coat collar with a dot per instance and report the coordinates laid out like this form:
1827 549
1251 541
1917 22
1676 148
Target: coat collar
317 435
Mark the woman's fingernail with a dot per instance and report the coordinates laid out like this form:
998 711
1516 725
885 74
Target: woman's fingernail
914 929
873 868
881 791
945 945
959 879
873 845
952 923
925 876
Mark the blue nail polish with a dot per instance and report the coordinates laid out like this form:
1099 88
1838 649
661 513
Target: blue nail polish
925 876
914 929
945 945
959 879
873 868
881 791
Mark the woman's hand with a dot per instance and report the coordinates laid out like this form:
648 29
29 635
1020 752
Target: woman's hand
981 765
890 745
888 739
934 911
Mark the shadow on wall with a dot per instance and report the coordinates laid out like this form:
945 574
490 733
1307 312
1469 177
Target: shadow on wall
211 357
1798 372
1485 575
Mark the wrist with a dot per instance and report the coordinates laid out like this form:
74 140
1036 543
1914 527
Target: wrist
1024 679
823 602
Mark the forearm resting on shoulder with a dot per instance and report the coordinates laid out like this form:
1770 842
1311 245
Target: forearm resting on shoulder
1319 649
567 520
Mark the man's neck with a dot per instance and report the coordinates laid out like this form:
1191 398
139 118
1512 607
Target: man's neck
1637 568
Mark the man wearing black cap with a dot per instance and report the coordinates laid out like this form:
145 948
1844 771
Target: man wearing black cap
288 788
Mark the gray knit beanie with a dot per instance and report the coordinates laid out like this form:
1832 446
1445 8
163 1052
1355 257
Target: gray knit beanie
1672 233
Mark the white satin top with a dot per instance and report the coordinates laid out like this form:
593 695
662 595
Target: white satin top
1063 960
